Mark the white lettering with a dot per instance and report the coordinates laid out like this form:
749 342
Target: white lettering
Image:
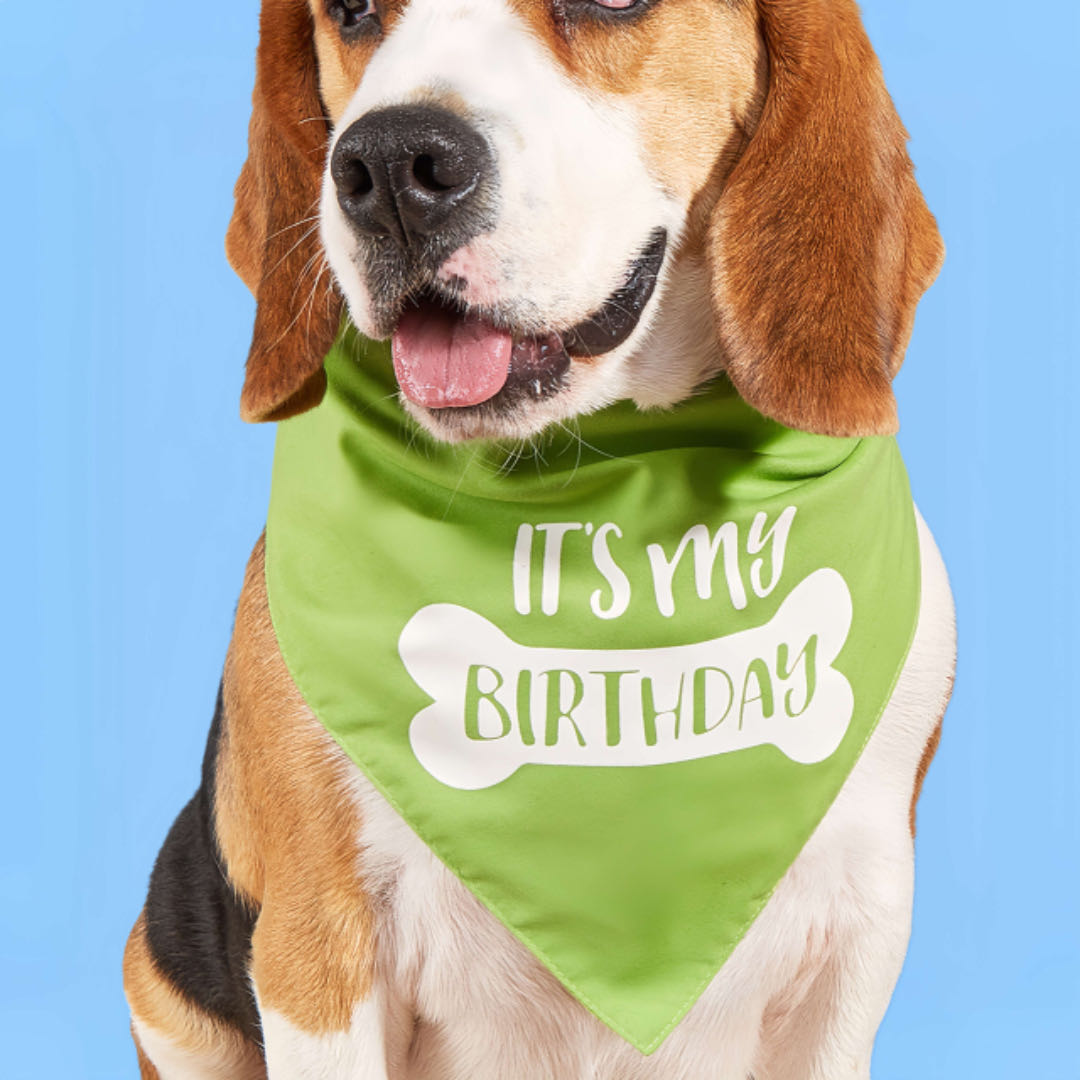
523 570
613 574
706 548
552 572
756 542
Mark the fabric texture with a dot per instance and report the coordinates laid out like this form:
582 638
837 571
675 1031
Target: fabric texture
613 680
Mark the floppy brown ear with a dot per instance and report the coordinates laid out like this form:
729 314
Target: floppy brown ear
273 238
821 244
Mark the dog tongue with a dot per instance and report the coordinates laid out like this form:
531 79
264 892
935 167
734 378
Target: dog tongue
443 359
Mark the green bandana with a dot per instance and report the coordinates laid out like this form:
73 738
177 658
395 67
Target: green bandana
614 683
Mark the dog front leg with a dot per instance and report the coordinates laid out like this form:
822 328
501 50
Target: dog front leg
325 1014
175 1038
826 1029
360 1052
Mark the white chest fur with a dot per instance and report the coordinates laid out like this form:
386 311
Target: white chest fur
459 998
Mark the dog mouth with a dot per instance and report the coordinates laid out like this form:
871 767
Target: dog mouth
450 356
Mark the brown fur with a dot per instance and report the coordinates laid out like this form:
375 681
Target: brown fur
692 71
157 1004
821 244
271 243
288 830
342 64
929 751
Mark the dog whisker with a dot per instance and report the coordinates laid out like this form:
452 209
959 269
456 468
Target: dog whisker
461 479
310 232
295 225
323 268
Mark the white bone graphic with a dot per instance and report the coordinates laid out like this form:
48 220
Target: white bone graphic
498 705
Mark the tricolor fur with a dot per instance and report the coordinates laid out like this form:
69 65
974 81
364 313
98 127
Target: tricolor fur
295 926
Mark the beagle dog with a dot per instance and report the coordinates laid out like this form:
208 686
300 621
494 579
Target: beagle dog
617 200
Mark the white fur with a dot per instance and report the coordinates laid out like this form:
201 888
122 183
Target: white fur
358 1054
217 1061
800 998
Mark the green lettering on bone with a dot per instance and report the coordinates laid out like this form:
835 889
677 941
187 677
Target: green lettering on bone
612 714
809 658
759 671
701 690
474 696
524 708
557 710
650 713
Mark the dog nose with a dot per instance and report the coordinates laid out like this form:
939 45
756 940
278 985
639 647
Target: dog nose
409 171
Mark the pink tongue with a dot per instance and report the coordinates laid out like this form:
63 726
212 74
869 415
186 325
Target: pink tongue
442 359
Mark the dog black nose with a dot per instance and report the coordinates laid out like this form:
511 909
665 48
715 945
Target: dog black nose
409 171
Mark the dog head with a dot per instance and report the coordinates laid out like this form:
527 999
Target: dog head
549 205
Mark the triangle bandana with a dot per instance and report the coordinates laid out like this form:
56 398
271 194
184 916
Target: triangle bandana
615 681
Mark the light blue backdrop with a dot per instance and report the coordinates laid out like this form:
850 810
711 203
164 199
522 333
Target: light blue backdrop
133 495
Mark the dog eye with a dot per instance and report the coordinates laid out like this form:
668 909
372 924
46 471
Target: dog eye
347 13
606 10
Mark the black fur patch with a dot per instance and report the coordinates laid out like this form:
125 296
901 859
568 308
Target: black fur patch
198 930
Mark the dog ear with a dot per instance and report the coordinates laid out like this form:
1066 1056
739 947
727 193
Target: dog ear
273 239
821 244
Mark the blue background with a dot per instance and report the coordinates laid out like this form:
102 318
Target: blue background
134 494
